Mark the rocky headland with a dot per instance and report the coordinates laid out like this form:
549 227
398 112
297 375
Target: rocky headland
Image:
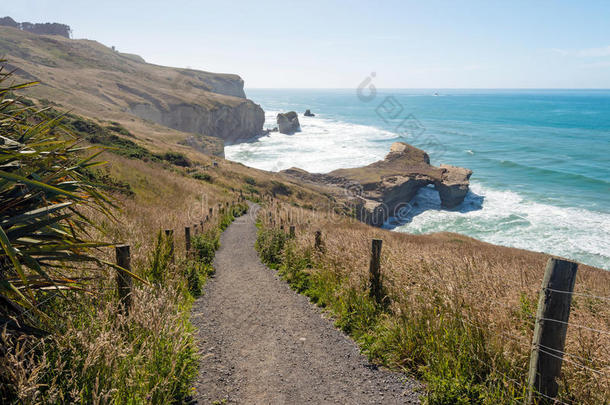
382 189
98 81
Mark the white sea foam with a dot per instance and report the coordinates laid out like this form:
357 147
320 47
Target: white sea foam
497 216
322 145
506 218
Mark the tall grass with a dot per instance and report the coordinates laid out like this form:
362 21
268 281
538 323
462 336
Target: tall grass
459 313
100 355
94 353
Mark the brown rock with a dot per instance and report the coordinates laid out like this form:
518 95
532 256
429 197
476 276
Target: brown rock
453 186
381 189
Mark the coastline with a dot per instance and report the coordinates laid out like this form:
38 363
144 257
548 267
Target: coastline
502 208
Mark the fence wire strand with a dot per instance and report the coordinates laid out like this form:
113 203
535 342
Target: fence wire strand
578 294
540 348
575 325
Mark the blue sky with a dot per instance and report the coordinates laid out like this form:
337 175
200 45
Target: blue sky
336 44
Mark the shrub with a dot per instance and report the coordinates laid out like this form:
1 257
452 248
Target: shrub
176 158
203 176
44 238
280 188
270 245
196 274
205 246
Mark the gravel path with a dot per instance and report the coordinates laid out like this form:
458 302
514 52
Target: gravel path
261 343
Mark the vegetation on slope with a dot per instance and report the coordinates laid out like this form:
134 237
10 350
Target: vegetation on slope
44 193
60 285
458 314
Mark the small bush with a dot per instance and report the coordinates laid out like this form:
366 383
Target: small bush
250 189
280 188
176 158
203 176
270 245
196 273
118 128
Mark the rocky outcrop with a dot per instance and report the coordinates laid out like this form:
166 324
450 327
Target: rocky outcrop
288 123
453 185
384 188
308 113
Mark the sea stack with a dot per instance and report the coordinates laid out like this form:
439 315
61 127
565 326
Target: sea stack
288 123
308 113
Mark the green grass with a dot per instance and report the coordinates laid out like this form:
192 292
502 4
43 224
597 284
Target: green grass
99 355
435 345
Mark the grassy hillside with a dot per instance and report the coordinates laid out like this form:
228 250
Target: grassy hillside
94 81
457 314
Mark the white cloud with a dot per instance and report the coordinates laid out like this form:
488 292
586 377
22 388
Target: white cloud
585 52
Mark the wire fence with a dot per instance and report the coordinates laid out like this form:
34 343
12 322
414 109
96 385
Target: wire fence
277 216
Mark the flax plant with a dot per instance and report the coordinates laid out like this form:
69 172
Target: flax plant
45 239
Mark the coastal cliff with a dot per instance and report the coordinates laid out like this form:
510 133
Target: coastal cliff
382 189
231 123
98 81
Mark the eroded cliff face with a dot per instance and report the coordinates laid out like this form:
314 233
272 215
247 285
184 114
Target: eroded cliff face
96 81
384 188
232 123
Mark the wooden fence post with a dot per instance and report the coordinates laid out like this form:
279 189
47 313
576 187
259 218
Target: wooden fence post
123 281
291 232
375 271
187 239
318 243
550 330
169 234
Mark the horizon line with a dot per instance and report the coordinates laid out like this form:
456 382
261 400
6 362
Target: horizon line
433 88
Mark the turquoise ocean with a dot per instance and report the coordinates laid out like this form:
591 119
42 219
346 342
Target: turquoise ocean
540 158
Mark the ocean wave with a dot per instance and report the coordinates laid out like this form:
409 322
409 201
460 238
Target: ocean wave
506 218
535 171
322 145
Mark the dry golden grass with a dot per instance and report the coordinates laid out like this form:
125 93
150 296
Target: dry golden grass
99 350
495 289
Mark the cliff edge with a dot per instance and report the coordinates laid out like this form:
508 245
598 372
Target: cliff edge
98 81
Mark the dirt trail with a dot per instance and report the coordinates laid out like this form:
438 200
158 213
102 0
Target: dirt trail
261 343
